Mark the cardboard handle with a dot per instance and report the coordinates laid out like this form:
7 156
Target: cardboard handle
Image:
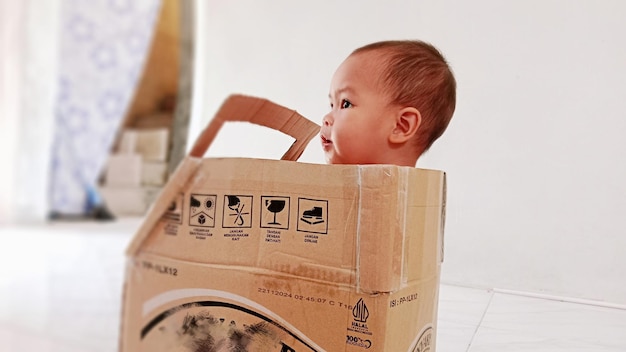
261 112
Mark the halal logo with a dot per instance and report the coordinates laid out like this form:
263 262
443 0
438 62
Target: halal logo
360 311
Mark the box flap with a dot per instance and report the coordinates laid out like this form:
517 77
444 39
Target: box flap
261 112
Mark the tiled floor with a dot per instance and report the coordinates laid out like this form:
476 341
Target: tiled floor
60 290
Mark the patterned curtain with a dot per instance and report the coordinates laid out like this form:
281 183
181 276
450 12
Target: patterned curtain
103 46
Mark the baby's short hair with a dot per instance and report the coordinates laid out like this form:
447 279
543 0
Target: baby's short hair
418 75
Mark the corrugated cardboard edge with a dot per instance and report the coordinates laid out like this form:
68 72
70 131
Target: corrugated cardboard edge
175 185
444 197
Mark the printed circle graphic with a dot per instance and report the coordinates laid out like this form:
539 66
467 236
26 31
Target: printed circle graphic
424 341
206 325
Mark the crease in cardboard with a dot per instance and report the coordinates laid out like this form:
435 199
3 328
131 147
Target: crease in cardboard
284 263
359 183
329 275
403 210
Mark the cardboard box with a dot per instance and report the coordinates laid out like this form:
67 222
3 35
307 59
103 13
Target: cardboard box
152 144
123 170
129 201
154 173
128 142
266 255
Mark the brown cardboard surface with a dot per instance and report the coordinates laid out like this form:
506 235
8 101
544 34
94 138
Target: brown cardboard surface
274 255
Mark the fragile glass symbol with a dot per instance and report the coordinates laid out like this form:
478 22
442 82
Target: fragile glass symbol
234 204
275 206
313 216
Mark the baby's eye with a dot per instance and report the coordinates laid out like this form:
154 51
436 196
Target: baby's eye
345 104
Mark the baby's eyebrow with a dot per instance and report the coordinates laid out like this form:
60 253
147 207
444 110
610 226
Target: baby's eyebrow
341 90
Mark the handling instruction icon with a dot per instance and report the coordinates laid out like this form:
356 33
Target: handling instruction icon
202 210
174 212
313 215
275 206
240 211
275 212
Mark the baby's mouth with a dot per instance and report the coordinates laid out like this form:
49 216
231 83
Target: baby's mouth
326 141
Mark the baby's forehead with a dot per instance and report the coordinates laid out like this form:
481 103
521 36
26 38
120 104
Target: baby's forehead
378 56
374 62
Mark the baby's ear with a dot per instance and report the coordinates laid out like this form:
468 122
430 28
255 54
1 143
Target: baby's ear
408 121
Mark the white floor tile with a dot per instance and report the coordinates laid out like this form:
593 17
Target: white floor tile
515 323
16 340
460 312
64 287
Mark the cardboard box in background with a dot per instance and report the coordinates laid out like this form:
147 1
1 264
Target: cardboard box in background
154 173
124 170
136 172
152 144
263 255
129 201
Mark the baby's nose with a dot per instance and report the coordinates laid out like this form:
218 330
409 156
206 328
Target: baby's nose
327 120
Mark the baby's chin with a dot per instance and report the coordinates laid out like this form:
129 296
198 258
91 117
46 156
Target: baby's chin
337 161
334 159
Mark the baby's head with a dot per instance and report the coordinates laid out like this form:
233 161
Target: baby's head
389 102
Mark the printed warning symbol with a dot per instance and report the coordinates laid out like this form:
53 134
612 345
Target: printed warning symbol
237 211
275 212
313 215
174 212
202 210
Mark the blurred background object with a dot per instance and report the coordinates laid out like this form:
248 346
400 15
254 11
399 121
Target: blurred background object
29 44
85 84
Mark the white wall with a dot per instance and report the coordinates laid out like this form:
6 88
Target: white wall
535 152
11 15
28 81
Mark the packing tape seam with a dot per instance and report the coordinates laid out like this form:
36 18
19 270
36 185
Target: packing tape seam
358 230
403 210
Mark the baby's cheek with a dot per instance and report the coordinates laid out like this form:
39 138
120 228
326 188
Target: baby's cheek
342 140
